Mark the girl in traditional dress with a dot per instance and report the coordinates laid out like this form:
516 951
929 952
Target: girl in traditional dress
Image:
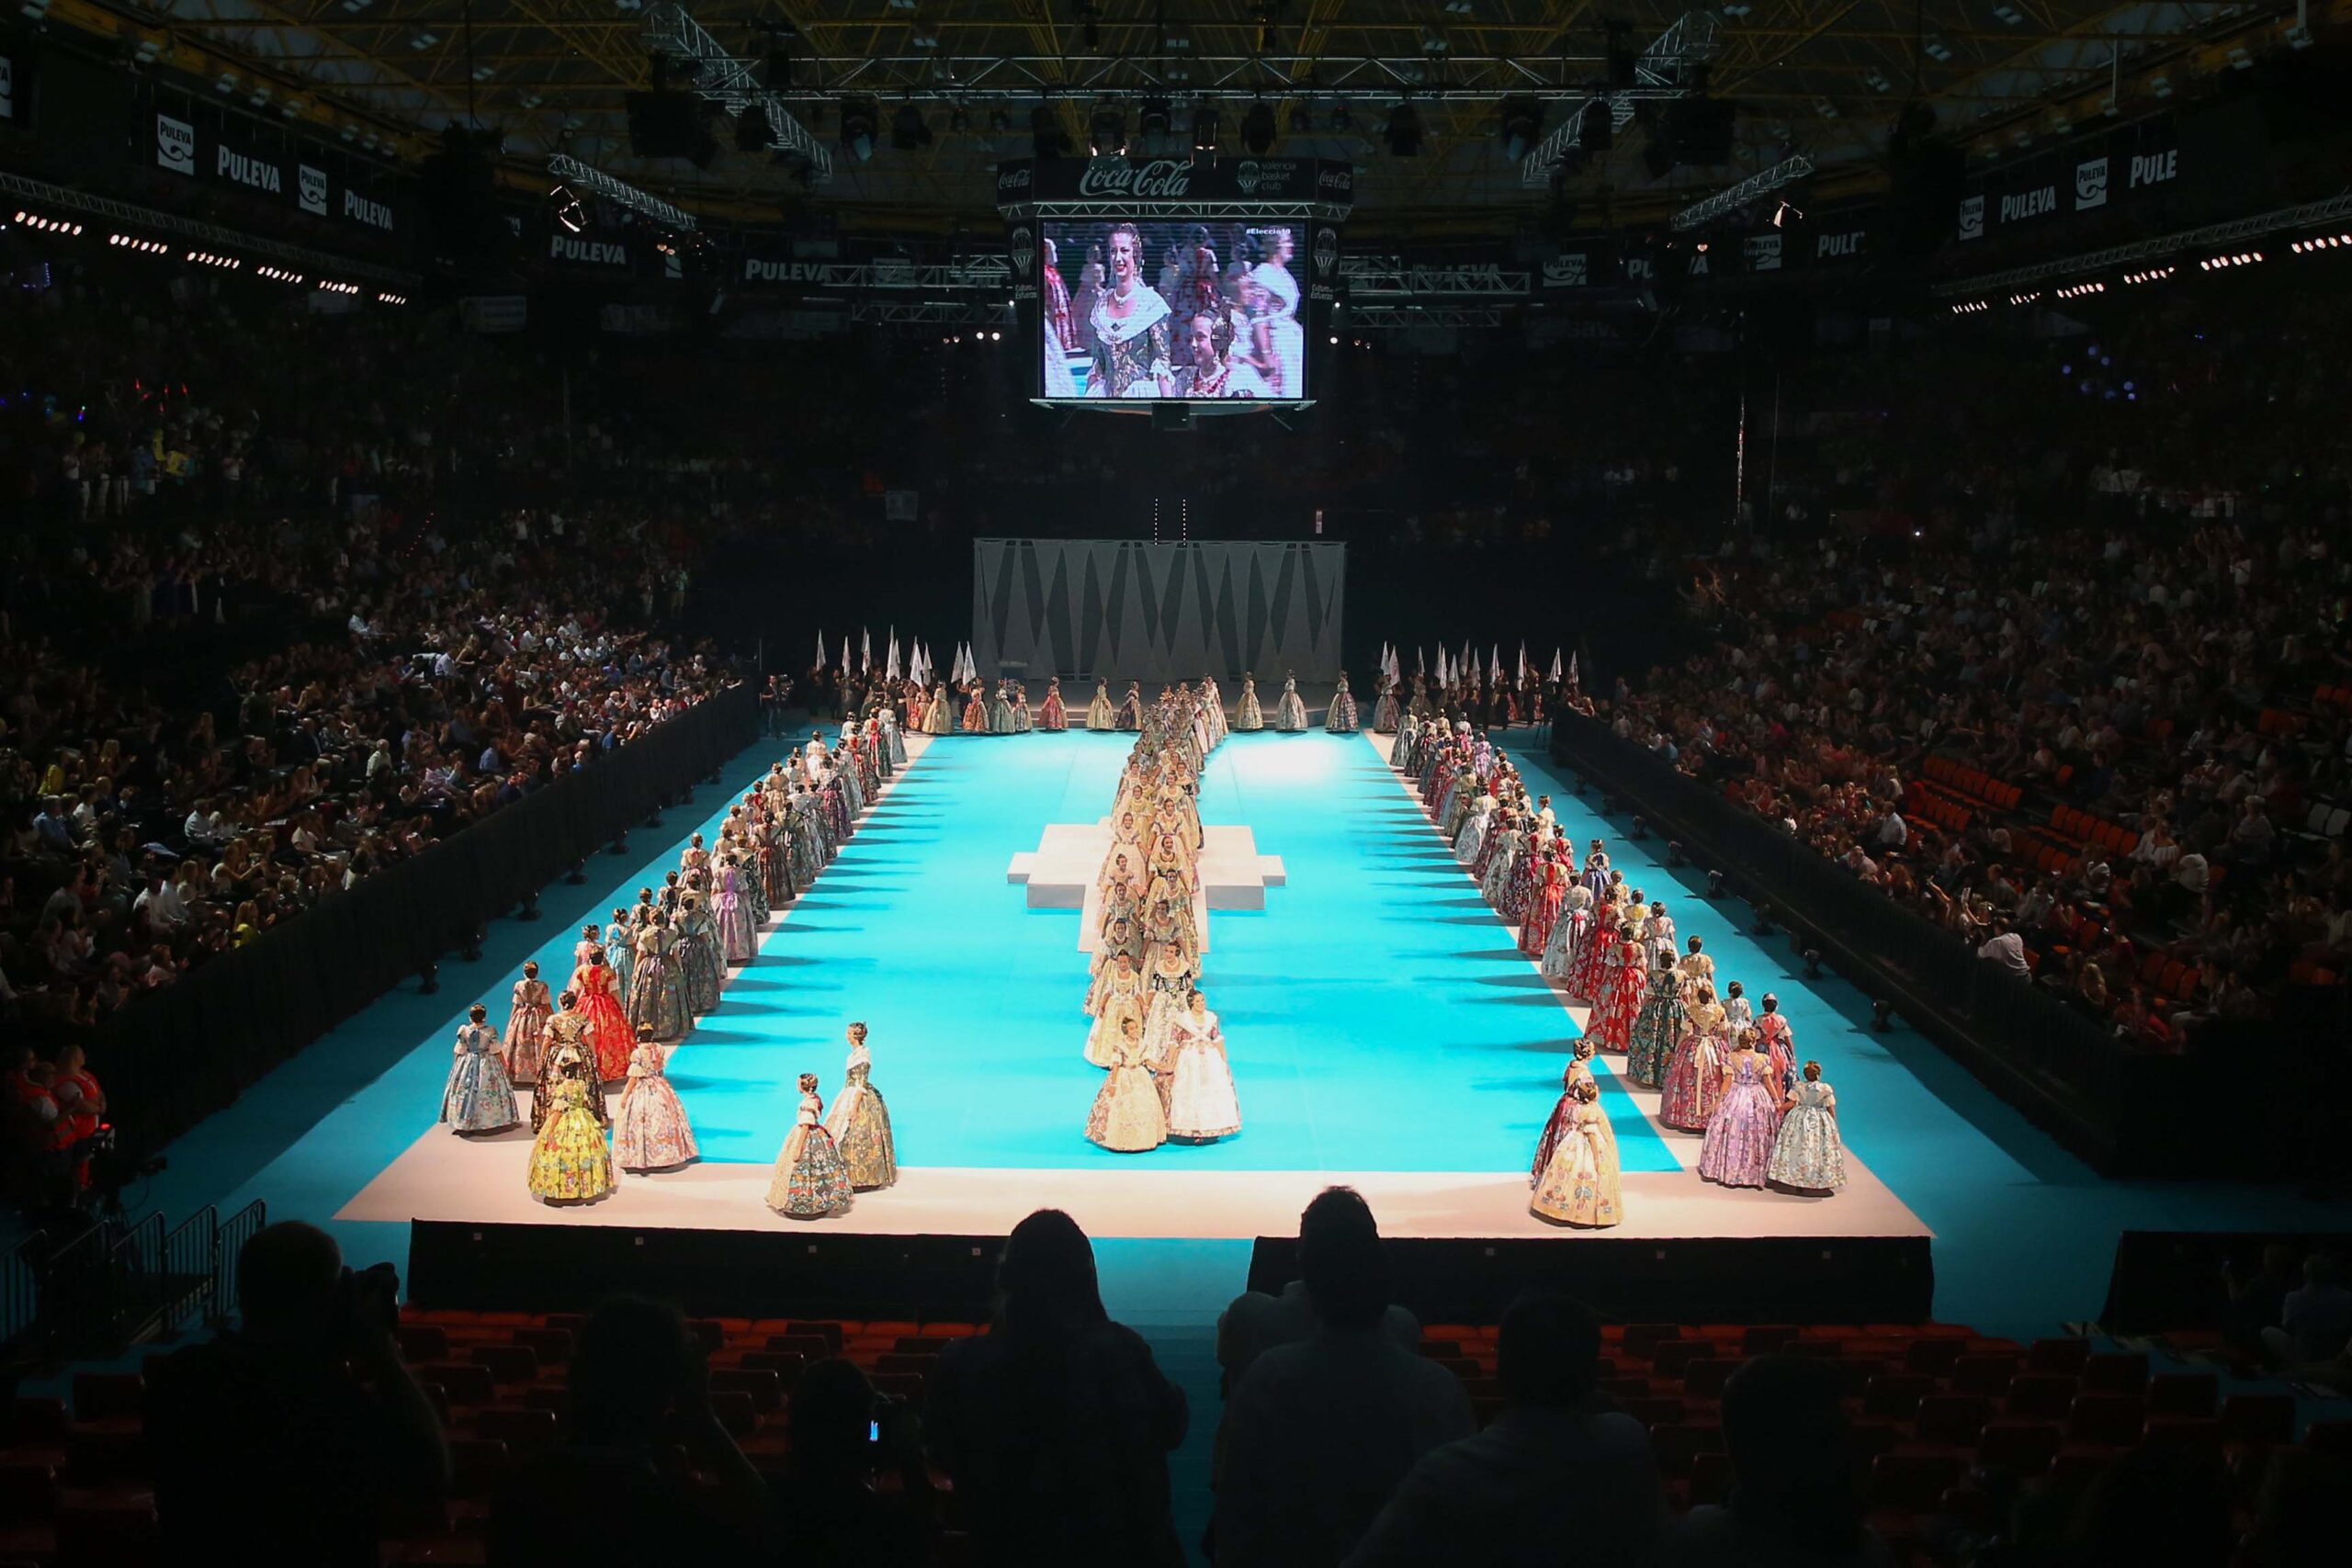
1000 717
1400 751
1659 1026
1501 854
1610 1026
1698 970
893 741
860 1122
1290 713
1737 1150
1387 711
527 1025
1248 717
1130 714
1202 1105
976 709
811 1180
1339 718
620 952
698 951
1578 1070
1581 1185
1585 975
1118 1001
1570 931
1694 1074
1024 721
1779 1044
609 1034
650 1130
938 719
1051 714
735 937
570 1163
1168 980
1126 1117
479 1097
657 1003
1544 907
1808 1154
1099 716
1470 843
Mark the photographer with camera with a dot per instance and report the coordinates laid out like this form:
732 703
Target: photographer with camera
286 1439
844 1435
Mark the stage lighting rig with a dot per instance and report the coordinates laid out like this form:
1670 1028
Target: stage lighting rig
1108 131
858 123
1404 131
569 210
1045 139
1258 127
574 172
1204 129
1522 120
909 130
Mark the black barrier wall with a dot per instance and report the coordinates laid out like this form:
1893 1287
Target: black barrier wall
176 1055
2124 1111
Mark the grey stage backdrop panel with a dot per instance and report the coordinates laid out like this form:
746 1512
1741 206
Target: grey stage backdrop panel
1133 610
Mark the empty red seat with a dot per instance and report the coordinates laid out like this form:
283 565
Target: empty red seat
1914 1482
1704 1378
2058 1356
2260 1417
762 1384
522 1430
108 1396
2043 1395
2110 1420
506 1363
1957 1420
1934 1357
1988 1375
2184 1393
466 1383
2025 1447
551 1346
1643 1339
1896 1397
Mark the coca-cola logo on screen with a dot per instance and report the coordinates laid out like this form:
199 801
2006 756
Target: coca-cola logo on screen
1162 179
1015 178
1342 179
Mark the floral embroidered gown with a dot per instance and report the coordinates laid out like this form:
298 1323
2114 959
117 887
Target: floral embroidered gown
608 1031
1341 717
570 1163
1099 716
1202 1104
1582 1185
811 1179
1808 1154
1386 712
1694 1073
699 960
1543 910
657 1002
527 1030
1737 1150
734 915
1126 1117
1121 996
1578 1071
976 711
860 1126
1051 714
650 1131
1656 1030
478 1098
937 716
1570 933
1610 1026
1290 713
1248 716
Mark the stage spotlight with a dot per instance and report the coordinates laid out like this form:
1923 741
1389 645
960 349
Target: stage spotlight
1521 120
909 130
1257 128
1204 129
529 909
1813 964
568 208
1715 885
1763 925
1882 1016
1341 121
1108 131
858 123
1155 118
1045 132
1403 132
959 119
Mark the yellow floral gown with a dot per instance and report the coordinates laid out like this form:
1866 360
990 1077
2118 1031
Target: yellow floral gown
860 1126
570 1163
1126 1117
1580 1186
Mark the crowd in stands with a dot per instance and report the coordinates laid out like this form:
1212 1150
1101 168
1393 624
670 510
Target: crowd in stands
625 1434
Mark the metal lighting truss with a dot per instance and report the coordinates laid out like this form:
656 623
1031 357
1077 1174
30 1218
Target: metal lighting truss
1393 318
1787 171
1391 278
735 87
1355 79
978 273
1665 70
2335 210
209 236
932 313
572 171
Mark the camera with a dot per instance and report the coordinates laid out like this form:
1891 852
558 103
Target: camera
368 1299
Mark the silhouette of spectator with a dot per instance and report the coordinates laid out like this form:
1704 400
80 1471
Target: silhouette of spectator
1793 1501
1056 1425
1320 1432
1558 1477
286 1439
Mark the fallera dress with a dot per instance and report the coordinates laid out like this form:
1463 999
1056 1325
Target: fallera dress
650 1131
568 1161
1563 1113
479 1097
860 1126
1339 718
1581 1186
1099 716
1051 714
1808 1154
609 1030
1290 713
1386 711
1694 1073
1610 1026
1248 716
936 716
1126 1117
1121 996
1737 1150
1202 1104
1656 1030
527 1030
658 998
698 959
811 1179
735 930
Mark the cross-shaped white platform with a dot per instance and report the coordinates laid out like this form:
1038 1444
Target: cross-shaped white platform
1060 872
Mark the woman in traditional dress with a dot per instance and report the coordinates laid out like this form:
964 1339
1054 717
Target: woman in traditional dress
1248 717
1501 853
1470 840
860 1122
1169 978
609 1034
657 1002
811 1179
1126 1117
1387 711
1051 714
894 741
1578 1070
1000 717
1400 751
1610 1025
699 956
1339 718
1130 714
570 1163
938 719
527 1025
1737 1150
735 937
1584 981
1659 1026
479 1097
1202 1105
1808 1154
1544 907
620 952
1698 970
976 709
1118 1000
1101 717
1570 931
1693 1086
650 1129
1581 1185
1290 712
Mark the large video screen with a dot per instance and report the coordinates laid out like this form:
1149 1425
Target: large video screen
1198 311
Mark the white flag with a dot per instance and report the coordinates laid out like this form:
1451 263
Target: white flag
846 666
1572 670
1444 676
1495 666
820 648
1420 665
890 658
865 647
1555 666
1522 659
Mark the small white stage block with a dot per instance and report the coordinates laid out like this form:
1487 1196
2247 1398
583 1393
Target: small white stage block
1060 872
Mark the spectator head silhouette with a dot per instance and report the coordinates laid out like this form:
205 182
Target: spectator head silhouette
1046 1279
1785 1426
1548 1352
831 1416
632 1357
288 1276
2157 1503
1341 1261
